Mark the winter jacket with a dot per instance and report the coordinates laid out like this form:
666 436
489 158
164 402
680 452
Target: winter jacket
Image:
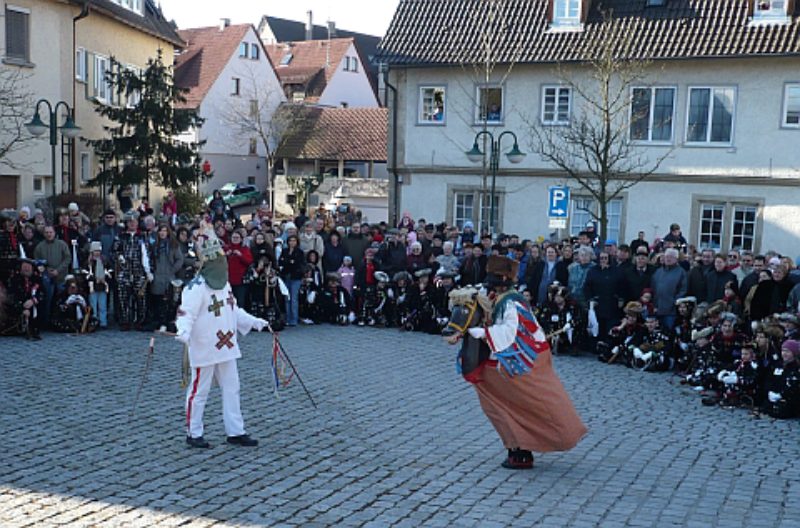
697 282
292 263
668 284
577 279
333 257
237 264
355 244
168 261
57 256
391 258
715 284
637 280
605 285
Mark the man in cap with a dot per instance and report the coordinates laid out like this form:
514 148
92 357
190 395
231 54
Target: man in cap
208 321
519 391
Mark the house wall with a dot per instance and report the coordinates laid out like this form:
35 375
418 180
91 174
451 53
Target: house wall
758 168
47 77
349 87
247 170
224 143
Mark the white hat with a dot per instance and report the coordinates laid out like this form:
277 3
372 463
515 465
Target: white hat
25 209
289 225
72 206
96 246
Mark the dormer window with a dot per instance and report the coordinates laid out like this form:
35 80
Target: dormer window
770 11
566 14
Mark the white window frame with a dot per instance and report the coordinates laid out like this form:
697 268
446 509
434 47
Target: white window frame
85 175
459 220
477 116
81 65
102 89
744 207
135 97
710 116
649 140
558 88
578 217
561 14
255 52
27 12
711 206
421 105
244 50
785 111
772 12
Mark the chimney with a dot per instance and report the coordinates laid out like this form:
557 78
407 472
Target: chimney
224 23
331 29
310 25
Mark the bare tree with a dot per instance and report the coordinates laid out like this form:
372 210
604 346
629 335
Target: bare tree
16 108
260 114
595 148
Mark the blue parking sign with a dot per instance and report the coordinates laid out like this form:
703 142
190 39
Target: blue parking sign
558 204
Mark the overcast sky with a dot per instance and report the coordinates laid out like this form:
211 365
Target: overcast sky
364 16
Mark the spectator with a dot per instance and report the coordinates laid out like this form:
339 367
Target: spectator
604 284
697 287
355 243
639 242
577 276
447 260
56 256
669 283
291 264
541 274
676 237
716 278
167 260
334 253
639 276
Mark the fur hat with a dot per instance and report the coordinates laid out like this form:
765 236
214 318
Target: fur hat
789 318
501 271
444 274
686 300
381 276
402 275
96 246
700 333
422 273
770 329
716 308
633 308
333 276
557 289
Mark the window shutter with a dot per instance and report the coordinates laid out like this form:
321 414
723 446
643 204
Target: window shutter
17 35
751 7
790 7
585 5
550 8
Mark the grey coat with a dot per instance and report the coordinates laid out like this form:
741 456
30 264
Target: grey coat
669 284
166 267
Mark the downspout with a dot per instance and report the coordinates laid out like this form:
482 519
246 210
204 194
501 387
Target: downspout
73 162
398 180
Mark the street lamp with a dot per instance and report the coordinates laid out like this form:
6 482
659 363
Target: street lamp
476 155
69 130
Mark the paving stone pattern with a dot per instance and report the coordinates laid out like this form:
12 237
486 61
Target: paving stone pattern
398 440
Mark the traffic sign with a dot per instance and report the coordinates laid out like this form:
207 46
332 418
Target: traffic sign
557 223
558 202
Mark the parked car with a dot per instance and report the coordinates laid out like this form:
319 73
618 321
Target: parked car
236 194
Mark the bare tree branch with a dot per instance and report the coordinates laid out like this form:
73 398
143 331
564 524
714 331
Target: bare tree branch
16 108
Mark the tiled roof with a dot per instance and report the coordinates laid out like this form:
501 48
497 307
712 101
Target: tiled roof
309 55
428 32
352 134
292 31
207 52
153 21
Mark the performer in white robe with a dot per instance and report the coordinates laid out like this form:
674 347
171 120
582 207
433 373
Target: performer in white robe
208 321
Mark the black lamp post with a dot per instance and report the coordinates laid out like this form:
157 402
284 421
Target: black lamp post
69 130
476 155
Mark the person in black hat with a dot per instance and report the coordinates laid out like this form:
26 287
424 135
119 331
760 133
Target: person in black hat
26 301
420 303
335 304
519 391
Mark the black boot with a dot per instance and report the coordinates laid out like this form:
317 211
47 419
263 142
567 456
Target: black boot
518 459
198 442
242 440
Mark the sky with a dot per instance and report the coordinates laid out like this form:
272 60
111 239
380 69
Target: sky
363 16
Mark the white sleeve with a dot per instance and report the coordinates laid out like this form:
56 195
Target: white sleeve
191 304
502 334
244 321
145 258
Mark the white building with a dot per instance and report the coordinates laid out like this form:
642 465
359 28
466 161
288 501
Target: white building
721 100
230 81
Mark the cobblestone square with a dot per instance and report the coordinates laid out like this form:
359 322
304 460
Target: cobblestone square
398 440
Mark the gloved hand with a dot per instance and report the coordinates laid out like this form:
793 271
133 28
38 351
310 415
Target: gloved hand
684 346
730 379
646 356
260 324
149 277
183 337
401 299
722 374
774 396
567 327
637 353
477 333
351 317
390 294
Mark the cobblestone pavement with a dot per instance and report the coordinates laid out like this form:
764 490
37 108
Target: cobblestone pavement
398 440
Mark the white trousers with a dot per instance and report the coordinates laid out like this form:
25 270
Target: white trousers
227 376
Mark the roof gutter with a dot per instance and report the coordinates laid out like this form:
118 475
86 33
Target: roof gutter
73 162
398 178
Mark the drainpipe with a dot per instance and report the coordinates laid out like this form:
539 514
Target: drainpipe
83 14
398 179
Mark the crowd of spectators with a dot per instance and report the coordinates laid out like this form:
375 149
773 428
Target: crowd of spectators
726 322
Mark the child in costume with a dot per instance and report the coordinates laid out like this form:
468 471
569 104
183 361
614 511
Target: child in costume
208 321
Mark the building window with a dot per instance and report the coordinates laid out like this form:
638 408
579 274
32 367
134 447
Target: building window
251 180
102 87
243 48
86 167
253 146
726 225
135 96
132 5
235 86
286 59
791 106
566 13
583 209
18 45
556 105
490 105
652 114
80 65
463 208
254 52
770 9
298 97
351 64
38 185
710 119
432 104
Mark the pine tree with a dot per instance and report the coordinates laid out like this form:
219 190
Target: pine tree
146 122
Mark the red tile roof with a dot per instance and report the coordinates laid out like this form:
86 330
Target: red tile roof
429 32
207 53
351 134
308 55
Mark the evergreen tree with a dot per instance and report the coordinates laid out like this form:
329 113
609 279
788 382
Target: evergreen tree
146 122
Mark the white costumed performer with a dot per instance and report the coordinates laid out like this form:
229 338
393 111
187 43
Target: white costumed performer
208 320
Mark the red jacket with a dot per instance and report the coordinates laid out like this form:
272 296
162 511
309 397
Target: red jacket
237 264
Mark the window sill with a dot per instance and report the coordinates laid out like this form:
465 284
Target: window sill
790 127
757 21
432 123
645 143
565 28
728 146
555 123
488 123
11 61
